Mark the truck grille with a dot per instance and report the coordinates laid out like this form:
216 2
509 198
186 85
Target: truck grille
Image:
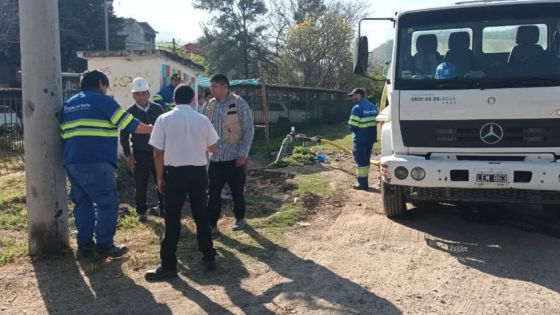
467 133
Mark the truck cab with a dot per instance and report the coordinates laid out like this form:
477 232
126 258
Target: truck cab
474 115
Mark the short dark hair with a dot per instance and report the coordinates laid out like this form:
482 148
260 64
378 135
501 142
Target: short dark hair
90 79
175 77
220 79
183 94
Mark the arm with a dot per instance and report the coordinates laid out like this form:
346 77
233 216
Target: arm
157 140
213 148
354 120
143 129
246 118
158 161
125 143
211 137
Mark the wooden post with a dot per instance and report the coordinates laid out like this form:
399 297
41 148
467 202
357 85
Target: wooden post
264 102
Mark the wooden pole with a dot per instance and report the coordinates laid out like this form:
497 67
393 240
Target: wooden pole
265 106
47 215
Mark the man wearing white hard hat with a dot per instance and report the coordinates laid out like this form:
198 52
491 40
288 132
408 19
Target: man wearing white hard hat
142 158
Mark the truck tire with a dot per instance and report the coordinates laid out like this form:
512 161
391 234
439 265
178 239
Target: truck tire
394 203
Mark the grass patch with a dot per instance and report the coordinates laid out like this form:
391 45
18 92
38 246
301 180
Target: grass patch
129 221
285 217
18 220
10 250
314 183
12 188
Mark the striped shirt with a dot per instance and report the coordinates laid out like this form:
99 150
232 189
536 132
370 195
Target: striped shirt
227 151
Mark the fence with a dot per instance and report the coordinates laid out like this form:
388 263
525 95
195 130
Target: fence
288 106
11 118
293 106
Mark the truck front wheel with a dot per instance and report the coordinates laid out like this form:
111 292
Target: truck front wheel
394 203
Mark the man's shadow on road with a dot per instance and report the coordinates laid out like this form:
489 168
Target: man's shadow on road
308 282
103 288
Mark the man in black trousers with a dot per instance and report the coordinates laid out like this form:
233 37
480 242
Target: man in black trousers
181 139
142 158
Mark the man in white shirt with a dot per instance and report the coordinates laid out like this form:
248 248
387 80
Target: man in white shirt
181 139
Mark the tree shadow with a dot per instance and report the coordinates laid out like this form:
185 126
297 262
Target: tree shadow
308 282
103 288
513 243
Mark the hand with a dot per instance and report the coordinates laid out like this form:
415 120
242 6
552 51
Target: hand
130 160
161 186
240 161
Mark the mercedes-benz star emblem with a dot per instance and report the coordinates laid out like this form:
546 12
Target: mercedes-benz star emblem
491 133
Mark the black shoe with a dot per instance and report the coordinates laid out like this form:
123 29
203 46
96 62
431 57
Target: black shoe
85 251
113 252
160 274
239 224
214 232
209 264
359 187
153 211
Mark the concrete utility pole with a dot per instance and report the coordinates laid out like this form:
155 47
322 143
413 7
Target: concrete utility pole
47 216
106 26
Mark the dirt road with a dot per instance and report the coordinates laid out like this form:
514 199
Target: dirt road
346 258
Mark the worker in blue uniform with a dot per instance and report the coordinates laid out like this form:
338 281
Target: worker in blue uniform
165 96
364 134
89 123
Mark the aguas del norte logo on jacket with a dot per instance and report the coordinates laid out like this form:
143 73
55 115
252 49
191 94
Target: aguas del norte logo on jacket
78 107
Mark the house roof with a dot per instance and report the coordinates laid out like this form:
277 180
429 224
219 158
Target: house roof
139 53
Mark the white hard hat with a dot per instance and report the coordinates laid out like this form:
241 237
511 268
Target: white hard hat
140 85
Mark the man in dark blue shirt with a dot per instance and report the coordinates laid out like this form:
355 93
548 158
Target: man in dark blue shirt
89 123
165 96
364 130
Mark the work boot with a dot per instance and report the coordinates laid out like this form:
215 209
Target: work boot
160 274
360 187
102 253
85 251
239 224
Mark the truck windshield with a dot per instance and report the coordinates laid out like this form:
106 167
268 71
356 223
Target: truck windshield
466 47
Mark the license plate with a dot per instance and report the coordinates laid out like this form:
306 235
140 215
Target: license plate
491 178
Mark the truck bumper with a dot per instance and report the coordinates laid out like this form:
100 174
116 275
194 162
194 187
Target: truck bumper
532 180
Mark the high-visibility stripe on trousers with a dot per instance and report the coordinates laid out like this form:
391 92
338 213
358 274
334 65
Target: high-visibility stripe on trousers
362 156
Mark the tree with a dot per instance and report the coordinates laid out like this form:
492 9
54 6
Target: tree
314 40
81 28
234 40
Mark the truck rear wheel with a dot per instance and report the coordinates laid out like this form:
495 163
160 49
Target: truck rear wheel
394 203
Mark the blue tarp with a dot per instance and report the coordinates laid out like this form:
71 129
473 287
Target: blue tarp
204 82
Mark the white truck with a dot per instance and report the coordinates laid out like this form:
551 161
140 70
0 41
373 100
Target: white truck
474 105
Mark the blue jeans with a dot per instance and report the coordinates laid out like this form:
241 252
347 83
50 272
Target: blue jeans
94 183
362 156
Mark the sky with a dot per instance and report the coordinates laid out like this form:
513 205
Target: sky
178 19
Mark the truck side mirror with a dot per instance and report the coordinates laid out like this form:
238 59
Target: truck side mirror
360 60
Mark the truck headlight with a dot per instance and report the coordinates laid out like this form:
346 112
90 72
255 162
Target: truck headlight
401 172
418 173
